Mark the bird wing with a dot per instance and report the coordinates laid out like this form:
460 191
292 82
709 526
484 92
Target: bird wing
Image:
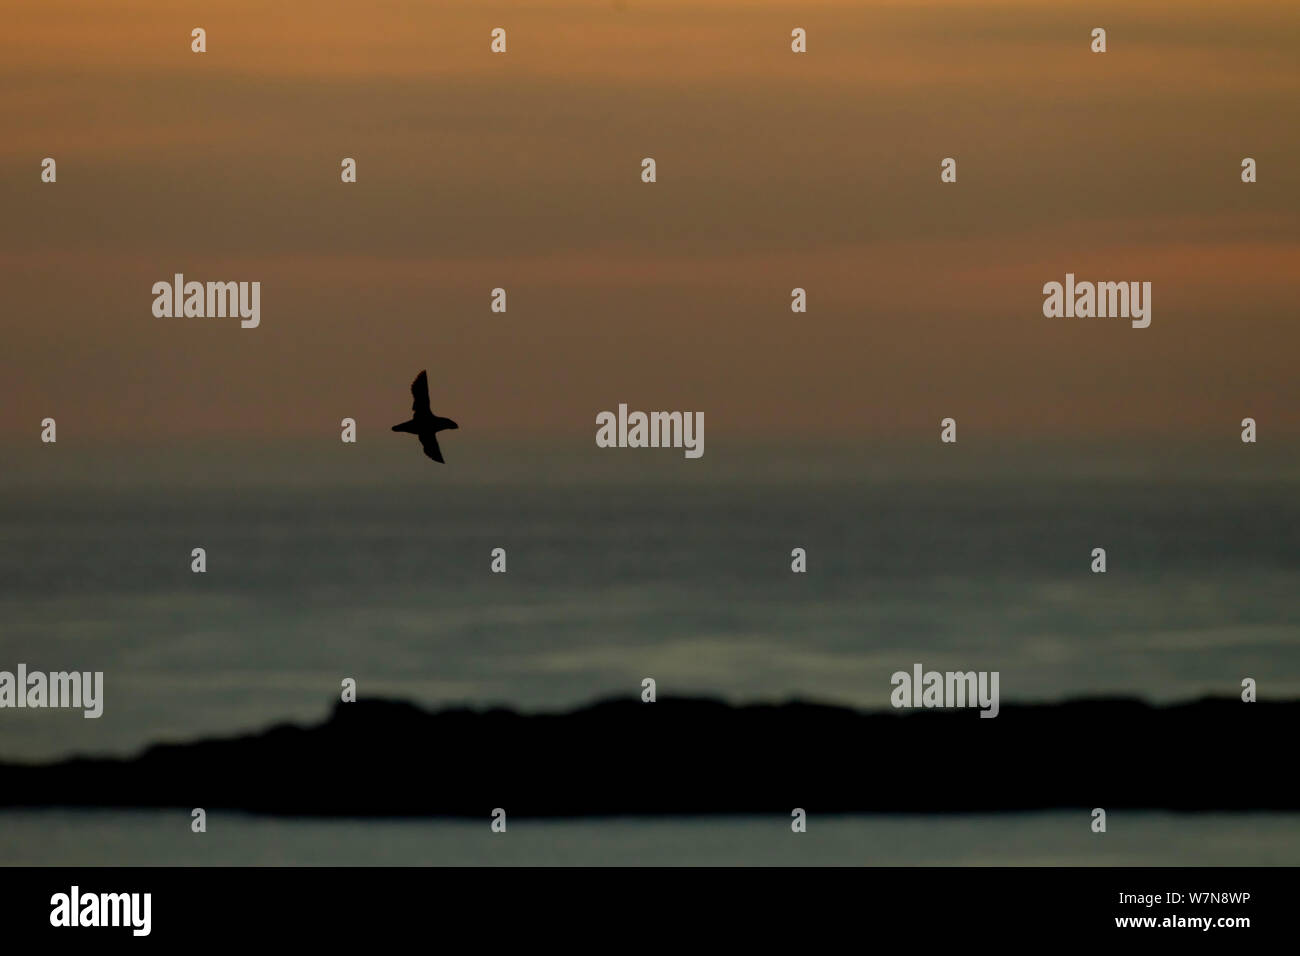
429 442
420 392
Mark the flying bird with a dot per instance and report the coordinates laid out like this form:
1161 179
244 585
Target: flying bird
425 425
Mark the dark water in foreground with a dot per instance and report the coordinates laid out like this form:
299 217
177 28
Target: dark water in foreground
1038 839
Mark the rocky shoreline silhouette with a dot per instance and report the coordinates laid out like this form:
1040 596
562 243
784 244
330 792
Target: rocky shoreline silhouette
379 758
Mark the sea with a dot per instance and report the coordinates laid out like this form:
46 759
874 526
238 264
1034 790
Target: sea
384 575
164 838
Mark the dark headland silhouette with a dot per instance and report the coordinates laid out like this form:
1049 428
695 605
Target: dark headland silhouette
690 756
425 425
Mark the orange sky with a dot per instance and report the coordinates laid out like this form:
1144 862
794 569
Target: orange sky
775 170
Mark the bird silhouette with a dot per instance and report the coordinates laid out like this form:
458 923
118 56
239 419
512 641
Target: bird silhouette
425 425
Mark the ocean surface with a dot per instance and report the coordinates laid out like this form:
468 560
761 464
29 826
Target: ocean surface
315 574
155 838
611 582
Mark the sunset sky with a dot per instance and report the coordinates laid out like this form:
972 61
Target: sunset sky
775 170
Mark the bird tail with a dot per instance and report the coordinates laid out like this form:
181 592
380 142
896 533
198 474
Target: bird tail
408 426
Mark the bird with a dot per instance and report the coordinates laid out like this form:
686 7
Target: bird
425 425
